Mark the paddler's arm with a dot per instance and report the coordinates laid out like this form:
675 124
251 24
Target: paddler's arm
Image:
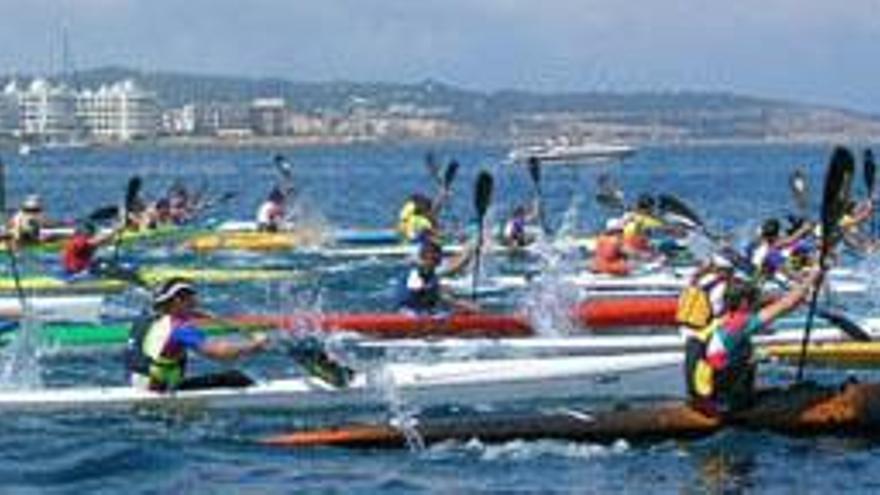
225 350
789 301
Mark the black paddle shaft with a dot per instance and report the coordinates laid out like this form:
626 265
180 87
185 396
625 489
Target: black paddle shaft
836 194
482 197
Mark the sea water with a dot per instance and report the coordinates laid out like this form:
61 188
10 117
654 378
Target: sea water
363 186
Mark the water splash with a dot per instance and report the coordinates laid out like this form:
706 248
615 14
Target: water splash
20 360
549 298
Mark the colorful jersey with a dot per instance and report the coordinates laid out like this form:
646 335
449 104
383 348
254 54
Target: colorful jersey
78 254
164 346
635 232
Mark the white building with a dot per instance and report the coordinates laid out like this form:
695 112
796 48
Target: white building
47 112
119 112
9 115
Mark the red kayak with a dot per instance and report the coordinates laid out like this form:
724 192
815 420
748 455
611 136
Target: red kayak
594 314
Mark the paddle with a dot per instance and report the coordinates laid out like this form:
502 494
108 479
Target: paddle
308 352
433 168
798 184
535 174
609 195
449 174
482 197
870 175
10 251
132 190
837 184
283 167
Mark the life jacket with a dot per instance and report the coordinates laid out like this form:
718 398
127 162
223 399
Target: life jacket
609 256
149 354
695 308
420 291
635 231
25 227
515 231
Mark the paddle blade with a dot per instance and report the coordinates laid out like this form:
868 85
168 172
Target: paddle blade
431 165
838 181
798 185
848 326
283 167
450 173
310 354
483 193
535 171
104 214
870 171
670 204
132 191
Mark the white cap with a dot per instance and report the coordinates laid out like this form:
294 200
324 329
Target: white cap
172 288
32 202
614 224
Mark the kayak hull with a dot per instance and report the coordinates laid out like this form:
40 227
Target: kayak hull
474 382
855 410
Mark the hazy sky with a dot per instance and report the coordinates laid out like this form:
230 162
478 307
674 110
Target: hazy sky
822 51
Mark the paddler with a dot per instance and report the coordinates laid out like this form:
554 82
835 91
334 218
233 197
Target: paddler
25 226
612 255
768 253
421 292
855 215
515 233
158 347
639 223
721 376
417 218
272 213
78 253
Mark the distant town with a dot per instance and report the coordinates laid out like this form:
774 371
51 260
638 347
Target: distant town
122 107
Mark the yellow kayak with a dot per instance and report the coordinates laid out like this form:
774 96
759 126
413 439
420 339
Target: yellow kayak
837 354
252 241
152 275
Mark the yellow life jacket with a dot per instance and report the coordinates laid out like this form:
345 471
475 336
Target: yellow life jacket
694 308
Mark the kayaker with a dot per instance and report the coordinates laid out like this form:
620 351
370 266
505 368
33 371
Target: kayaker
25 226
639 223
768 253
515 233
612 255
721 375
272 213
159 345
421 292
417 218
78 253
855 215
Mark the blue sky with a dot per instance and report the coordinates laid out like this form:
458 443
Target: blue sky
808 50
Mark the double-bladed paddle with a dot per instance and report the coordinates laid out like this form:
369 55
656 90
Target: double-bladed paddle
132 191
835 196
870 175
482 197
609 195
10 250
798 184
535 174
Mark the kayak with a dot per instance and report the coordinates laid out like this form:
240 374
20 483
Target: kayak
828 343
598 313
57 236
594 313
830 354
655 281
853 410
472 382
337 236
151 275
83 307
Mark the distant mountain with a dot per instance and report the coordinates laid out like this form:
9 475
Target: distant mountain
522 115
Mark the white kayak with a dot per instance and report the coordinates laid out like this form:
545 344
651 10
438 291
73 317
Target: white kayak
664 280
474 382
79 308
790 331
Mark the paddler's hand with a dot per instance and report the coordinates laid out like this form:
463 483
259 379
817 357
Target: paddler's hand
259 341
